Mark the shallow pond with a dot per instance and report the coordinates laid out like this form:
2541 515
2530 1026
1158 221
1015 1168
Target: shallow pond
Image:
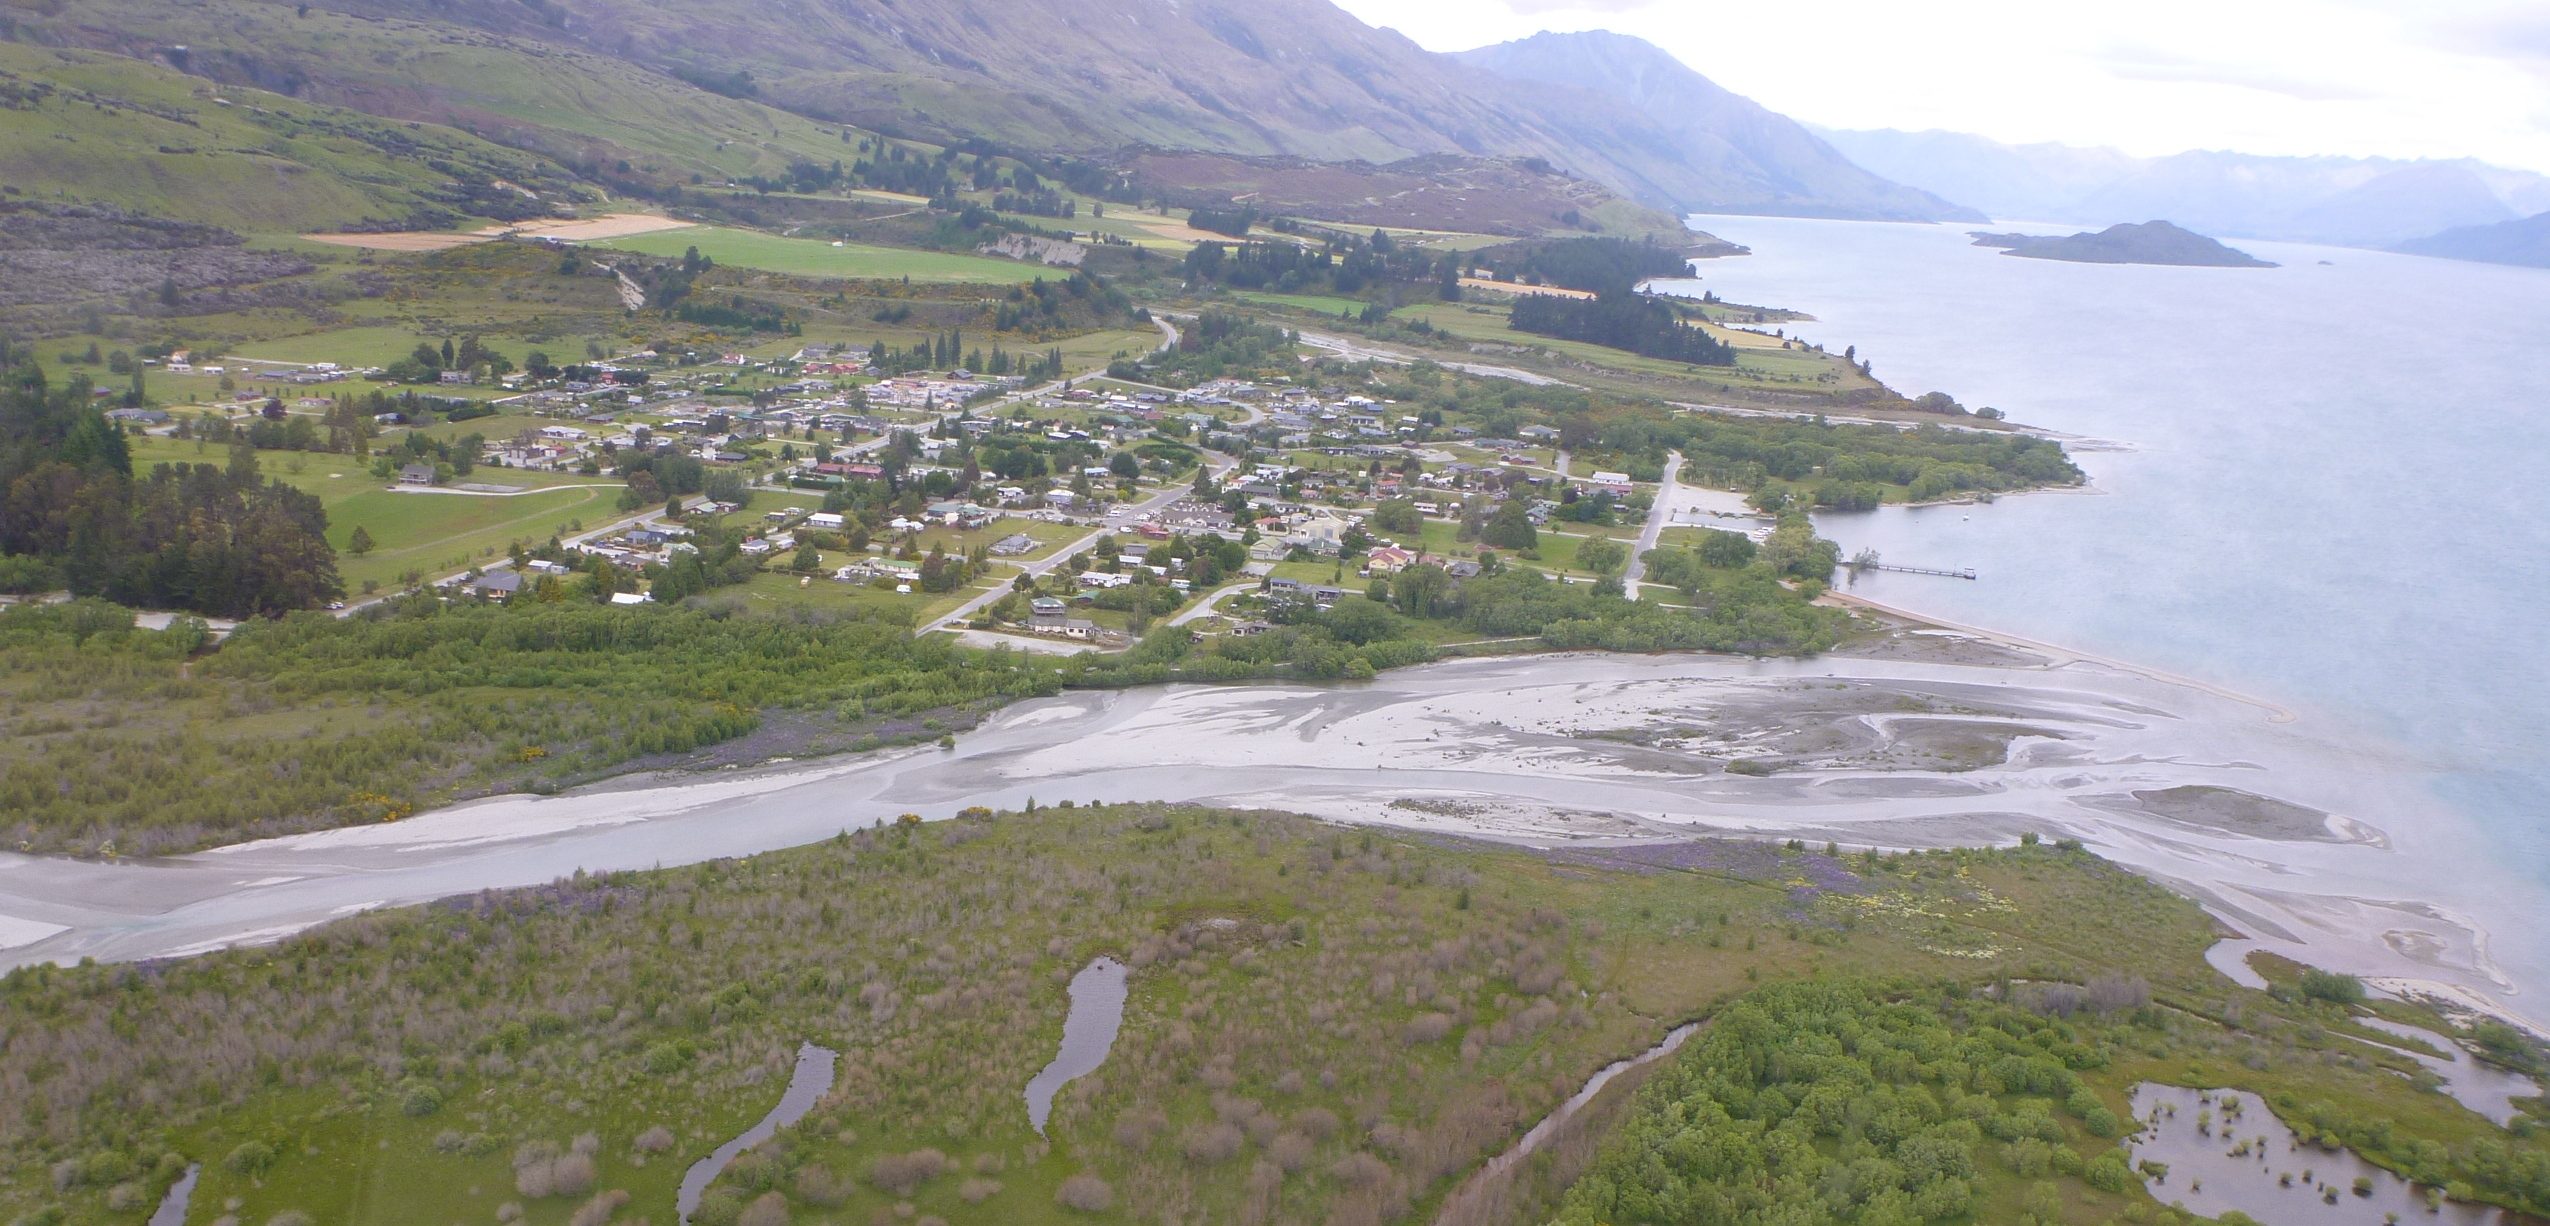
805 1087
2226 1150
1089 1032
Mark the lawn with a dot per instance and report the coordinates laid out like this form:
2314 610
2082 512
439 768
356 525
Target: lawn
434 533
1308 302
815 258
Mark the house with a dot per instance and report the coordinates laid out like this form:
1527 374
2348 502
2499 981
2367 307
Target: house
1013 545
1251 629
825 519
416 474
148 417
1046 612
1102 579
498 584
1389 560
1615 484
1462 569
1537 433
630 598
1059 500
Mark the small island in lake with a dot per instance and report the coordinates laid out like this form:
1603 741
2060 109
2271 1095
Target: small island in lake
2153 242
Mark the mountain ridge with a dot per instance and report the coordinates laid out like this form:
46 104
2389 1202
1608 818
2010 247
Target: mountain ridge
1753 159
1298 78
2344 201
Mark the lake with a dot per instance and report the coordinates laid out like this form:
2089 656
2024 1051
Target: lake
2329 499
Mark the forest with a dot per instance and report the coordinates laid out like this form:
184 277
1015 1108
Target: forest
220 540
1620 319
1595 265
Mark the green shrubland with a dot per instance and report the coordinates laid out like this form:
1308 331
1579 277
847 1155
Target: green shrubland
1325 1024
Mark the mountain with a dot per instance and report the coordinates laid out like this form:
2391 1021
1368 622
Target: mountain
1269 78
2525 242
1733 155
2363 202
2152 242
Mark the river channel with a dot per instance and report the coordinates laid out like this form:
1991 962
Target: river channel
2298 836
807 1085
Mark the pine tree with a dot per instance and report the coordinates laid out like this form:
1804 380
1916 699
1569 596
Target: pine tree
360 543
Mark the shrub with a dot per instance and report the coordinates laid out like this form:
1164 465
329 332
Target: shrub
2337 989
250 1158
720 1207
2108 1173
421 1099
1213 1144
976 1191
817 1185
291 1217
1429 1027
666 1058
1359 1169
769 1209
902 1173
1290 1151
598 1211
1317 1123
1086 1193
654 1140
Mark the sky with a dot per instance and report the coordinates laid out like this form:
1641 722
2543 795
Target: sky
2397 78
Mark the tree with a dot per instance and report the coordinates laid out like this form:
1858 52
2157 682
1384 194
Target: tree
1601 555
1398 515
809 559
1511 528
360 543
1725 550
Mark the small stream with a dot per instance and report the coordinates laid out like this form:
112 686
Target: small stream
172 1207
806 1086
1540 1133
2226 1150
2483 1088
1089 1032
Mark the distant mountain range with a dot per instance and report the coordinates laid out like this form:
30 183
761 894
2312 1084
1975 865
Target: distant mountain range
2525 241
2356 202
1731 154
1261 79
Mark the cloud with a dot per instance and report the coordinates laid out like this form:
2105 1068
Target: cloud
2145 64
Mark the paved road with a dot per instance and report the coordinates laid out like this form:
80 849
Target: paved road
1655 527
1204 608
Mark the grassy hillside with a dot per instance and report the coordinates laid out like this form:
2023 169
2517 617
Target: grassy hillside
1324 1024
91 126
588 111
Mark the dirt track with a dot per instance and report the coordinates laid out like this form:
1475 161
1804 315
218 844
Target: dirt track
585 229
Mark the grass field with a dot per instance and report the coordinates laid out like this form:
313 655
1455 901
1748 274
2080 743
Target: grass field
1308 302
814 258
1758 365
435 533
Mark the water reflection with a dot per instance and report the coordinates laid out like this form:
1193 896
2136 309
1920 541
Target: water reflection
1089 1031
